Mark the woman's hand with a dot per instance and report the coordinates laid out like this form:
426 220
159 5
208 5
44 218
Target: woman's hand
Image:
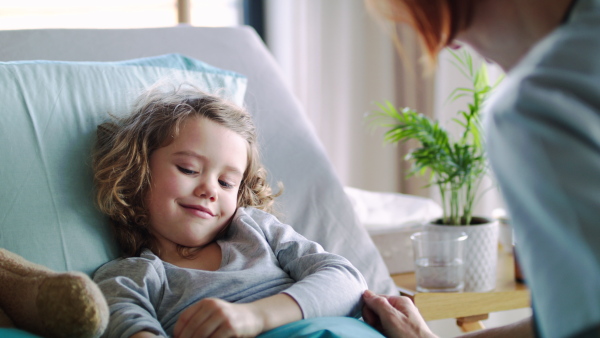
394 316
213 317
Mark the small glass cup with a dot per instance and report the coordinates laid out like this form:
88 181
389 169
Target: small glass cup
439 261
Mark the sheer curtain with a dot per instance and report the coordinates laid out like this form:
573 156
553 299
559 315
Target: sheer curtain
339 61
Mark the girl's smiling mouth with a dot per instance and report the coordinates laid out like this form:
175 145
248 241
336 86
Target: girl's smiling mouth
198 210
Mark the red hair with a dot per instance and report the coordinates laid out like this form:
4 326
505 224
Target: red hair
437 22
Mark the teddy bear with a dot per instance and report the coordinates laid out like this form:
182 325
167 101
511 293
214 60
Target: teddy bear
47 303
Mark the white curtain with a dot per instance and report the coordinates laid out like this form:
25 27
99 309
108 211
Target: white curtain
338 61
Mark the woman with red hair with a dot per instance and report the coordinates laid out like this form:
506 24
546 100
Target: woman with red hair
543 139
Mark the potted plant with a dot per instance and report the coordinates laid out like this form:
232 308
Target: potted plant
456 166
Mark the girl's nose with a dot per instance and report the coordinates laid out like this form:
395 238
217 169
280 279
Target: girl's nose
206 189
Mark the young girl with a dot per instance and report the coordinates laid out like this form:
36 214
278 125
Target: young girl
181 180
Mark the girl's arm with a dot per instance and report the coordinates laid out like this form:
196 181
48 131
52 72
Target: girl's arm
215 317
131 287
326 284
144 334
277 310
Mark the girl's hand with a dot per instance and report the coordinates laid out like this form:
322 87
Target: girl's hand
213 317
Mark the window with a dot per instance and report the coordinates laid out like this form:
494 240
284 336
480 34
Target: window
26 14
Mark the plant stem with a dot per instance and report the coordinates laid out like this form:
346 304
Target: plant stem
444 206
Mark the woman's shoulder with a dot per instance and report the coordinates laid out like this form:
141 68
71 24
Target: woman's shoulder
564 58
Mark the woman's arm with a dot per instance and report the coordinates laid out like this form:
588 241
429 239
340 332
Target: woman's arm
544 147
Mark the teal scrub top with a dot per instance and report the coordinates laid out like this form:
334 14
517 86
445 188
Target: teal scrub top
543 139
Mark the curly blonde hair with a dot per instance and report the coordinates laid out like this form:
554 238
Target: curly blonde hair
122 155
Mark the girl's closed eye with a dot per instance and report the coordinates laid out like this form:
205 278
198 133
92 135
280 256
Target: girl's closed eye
186 171
225 184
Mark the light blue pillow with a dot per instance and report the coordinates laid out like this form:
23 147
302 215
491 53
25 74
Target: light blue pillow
324 327
49 112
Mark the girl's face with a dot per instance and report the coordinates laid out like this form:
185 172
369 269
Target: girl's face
194 184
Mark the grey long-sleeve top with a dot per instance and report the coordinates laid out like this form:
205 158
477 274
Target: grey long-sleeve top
261 257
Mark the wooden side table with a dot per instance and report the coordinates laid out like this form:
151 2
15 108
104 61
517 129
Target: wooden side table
469 308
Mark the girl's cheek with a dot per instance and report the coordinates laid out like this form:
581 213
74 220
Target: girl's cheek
167 186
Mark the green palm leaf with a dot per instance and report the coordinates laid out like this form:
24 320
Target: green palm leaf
455 166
